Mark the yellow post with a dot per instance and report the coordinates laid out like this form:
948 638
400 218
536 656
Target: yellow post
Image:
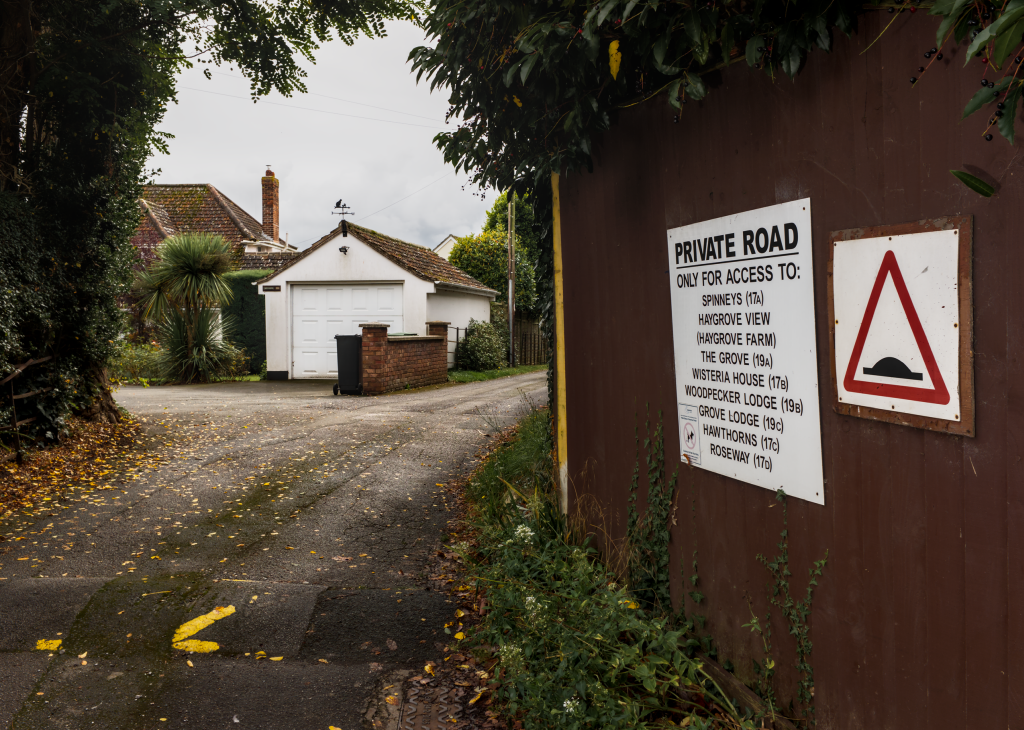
563 441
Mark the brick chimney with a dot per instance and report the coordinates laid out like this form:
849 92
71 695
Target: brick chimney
271 207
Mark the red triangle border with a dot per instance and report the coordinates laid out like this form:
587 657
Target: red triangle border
937 393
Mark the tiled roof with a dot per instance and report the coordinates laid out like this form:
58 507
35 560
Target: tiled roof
418 261
158 217
201 208
273 260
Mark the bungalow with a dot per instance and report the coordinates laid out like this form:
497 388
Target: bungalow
350 278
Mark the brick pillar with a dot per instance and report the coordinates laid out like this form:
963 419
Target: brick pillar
271 206
438 365
438 329
375 357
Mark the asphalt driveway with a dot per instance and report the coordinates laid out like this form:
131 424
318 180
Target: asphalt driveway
259 572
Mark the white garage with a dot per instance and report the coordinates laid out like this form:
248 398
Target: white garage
342 282
321 311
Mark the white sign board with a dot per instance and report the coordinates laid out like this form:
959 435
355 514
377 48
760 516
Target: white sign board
897 339
745 349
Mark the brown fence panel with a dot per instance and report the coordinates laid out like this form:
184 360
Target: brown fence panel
918 621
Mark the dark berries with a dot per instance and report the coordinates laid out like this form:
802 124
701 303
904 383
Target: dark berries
928 54
920 69
913 79
988 137
932 50
999 113
939 57
984 82
892 10
1000 105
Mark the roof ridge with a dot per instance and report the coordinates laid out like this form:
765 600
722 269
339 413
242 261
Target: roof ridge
223 201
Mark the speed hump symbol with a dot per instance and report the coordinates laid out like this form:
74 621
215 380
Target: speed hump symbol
901 322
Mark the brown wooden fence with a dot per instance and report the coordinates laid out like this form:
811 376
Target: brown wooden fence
918 621
531 346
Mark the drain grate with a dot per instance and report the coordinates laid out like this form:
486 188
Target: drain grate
430 709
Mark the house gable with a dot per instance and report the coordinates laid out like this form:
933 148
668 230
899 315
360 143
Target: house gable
421 263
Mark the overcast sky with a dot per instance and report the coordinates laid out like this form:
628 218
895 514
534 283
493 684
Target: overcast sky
369 144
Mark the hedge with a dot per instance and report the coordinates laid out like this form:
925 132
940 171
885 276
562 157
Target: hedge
246 316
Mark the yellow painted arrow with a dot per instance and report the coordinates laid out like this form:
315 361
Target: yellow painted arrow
195 626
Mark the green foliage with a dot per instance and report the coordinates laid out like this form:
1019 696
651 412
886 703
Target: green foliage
477 376
247 313
797 614
85 85
577 650
193 348
648 535
181 291
481 349
135 363
526 229
979 186
536 82
484 256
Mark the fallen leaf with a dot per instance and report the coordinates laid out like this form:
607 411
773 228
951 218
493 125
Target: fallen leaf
83 656
375 667
276 658
391 700
392 645
189 662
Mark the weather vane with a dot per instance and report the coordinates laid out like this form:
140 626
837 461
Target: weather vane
343 210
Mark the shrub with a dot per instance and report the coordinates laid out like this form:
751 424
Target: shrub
134 363
576 647
181 290
482 348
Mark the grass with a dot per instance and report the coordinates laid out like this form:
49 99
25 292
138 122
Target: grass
475 376
578 648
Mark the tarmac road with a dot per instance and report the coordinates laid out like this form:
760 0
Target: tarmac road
261 571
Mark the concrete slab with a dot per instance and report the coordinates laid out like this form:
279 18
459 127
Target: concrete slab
41 608
18 674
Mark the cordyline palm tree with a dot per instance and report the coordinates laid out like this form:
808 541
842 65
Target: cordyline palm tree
181 291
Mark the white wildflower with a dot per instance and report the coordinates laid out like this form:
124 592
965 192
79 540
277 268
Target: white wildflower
524 534
572 706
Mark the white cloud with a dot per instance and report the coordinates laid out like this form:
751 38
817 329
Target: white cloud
370 162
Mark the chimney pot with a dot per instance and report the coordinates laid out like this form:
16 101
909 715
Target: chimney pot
271 206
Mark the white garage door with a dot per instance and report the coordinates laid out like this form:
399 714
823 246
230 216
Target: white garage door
321 311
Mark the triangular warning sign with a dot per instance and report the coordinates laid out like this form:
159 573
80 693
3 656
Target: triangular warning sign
937 393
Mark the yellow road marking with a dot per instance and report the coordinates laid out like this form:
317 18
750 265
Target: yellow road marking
196 625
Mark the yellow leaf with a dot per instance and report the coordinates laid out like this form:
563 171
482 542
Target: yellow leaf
516 100
391 700
429 670
189 662
276 658
48 645
83 656
478 696
614 58
460 636
459 613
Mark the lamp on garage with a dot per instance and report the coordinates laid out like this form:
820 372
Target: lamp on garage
343 210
